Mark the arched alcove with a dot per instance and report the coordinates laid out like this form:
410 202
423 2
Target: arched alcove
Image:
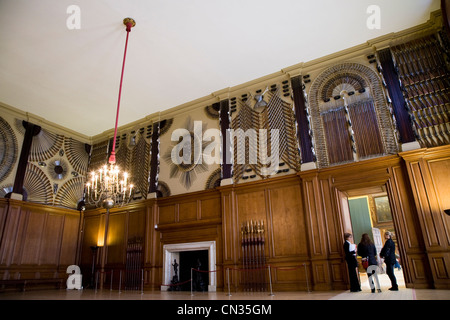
350 116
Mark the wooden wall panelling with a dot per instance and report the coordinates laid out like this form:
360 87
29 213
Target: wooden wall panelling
3 234
288 236
304 223
188 233
230 231
439 173
278 203
287 222
136 223
333 202
3 214
193 208
51 239
177 219
188 211
380 172
117 239
31 231
90 237
193 217
251 205
9 235
209 208
167 214
424 204
407 227
152 248
124 223
38 241
71 232
430 191
314 211
230 234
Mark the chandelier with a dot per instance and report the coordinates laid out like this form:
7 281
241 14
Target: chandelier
109 186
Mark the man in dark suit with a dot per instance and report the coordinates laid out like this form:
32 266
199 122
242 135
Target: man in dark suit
388 254
352 263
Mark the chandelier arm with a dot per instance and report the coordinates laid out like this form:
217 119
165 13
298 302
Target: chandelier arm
112 157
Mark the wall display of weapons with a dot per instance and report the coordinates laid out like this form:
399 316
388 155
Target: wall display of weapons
133 154
425 80
253 275
269 112
133 266
55 169
350 114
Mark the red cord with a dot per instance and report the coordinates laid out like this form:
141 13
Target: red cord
112 157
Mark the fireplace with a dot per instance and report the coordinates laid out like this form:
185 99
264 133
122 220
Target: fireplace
172 252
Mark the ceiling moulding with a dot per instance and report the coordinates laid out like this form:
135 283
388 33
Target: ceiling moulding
387 40
259 83
185 108
48 125
421 30
126 127
349 54
189 106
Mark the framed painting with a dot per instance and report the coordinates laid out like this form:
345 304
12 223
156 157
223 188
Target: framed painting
383 209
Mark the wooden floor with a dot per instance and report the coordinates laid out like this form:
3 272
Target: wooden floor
106 294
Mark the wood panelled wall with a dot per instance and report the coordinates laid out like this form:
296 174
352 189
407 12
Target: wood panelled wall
124 224
36 241
429 172
304 219
279 204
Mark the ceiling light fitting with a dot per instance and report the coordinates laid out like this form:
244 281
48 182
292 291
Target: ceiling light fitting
109 186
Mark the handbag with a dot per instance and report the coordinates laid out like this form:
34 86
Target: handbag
365 263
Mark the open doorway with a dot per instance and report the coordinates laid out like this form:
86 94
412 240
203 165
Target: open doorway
368 210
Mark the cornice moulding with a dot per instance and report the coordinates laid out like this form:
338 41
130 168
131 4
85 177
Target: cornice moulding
37 120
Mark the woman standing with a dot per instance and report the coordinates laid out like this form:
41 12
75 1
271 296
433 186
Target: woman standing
388 253
368 252
352 263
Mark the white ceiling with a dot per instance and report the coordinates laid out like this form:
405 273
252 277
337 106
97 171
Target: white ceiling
179 51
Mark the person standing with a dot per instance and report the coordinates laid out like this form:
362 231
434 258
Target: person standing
366 249
388 254
352 263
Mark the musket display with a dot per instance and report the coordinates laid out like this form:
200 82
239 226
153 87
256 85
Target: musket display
253 256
